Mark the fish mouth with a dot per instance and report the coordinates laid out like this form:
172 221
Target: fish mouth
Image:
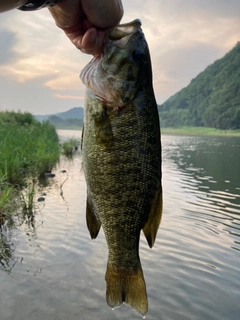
100 76
124 30
120 34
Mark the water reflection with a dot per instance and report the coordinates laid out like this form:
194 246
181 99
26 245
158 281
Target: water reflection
212 162
53 270
209 177
7 248
28 216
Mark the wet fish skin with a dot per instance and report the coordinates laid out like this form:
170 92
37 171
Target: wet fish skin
121 152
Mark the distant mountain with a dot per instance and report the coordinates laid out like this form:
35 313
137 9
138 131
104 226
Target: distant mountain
69 123
212 99
74 113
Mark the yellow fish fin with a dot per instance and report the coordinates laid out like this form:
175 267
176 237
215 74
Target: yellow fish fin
93 222
150 228
126 286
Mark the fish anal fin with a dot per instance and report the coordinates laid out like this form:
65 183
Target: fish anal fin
129 287
93 223
150 228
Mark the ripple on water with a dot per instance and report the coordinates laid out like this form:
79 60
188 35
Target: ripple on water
192 272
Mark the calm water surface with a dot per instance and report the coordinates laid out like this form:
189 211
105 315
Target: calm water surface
52 270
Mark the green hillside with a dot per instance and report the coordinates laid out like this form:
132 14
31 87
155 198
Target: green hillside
212 99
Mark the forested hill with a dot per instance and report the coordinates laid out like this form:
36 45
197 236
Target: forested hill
212 99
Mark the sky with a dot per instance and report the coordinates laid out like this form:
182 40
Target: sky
39 67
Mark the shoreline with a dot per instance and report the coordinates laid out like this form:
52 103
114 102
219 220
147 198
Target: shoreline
185 131
200 131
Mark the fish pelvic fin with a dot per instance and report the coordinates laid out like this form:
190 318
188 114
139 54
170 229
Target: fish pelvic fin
93 222
150 228
126 286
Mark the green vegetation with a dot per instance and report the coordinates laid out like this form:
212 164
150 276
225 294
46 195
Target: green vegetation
212 99
7 194
26 146
28 149
70 146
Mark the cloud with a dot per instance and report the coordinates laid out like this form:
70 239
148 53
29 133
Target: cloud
41 67
181 66
34 97
172 10
184 37
61 96
45 62
65 80
7 40
42 49
169 23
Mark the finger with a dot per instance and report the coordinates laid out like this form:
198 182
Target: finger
67 13
92 42
104 13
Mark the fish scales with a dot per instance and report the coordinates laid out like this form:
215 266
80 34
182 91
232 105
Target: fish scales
121 152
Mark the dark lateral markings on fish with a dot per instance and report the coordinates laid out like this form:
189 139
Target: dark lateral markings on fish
121 154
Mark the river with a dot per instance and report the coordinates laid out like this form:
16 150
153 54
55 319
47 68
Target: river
54 271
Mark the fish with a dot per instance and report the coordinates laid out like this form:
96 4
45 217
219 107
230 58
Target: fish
121 159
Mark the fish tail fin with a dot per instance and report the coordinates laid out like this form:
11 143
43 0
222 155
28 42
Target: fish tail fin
126 286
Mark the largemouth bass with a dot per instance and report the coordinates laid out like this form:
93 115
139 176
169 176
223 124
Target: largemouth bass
121 153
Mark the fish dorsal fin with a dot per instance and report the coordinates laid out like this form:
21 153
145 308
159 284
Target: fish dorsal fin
150 228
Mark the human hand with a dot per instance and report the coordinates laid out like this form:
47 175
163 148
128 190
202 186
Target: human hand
84 21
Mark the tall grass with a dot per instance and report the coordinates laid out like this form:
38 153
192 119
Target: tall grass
7 194
70 146
26 198
28 149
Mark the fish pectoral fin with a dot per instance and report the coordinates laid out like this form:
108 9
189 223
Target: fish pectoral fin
103 128
150 228
93 222
129 287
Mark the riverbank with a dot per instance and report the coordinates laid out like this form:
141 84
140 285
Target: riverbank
197 131
59 127
28 149
188 131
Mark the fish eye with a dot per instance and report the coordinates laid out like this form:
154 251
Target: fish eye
137 54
